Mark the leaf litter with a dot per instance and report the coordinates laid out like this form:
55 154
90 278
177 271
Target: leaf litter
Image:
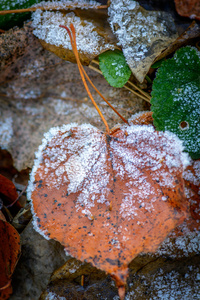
71 164
105 187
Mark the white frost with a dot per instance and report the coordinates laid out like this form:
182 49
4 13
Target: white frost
46 27
137 30
84 163
6 131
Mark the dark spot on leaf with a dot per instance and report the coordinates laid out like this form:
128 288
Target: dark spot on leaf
113 262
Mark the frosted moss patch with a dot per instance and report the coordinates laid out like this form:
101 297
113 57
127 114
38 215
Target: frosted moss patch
176 96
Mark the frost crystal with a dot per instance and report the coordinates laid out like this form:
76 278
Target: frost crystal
63 4
139 32
46 27
6 132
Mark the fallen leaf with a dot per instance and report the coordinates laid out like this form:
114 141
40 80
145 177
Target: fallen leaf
108 197
39 259
94 35
142 118
188 8
7 188
81 281
9 255
188 37
142 34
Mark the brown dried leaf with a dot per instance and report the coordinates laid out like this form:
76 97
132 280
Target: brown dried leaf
191 34
142 34
107 198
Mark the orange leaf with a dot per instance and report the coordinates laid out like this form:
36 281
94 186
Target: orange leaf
9 255
142 118
108 197
188 8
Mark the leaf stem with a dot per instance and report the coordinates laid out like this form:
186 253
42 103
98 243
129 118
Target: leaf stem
74 48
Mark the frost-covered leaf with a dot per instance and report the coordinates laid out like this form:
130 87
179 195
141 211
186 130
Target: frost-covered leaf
93 34
114 68
142 118
184 240
175 98
107 198
188 8
187 37
141 34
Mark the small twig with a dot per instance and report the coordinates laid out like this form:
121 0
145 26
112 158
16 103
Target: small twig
32 9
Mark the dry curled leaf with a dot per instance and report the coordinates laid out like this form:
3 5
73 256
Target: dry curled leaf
108 197
9 255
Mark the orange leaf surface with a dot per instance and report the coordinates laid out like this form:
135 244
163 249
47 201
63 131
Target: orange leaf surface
142 118
9 255
188 8
108 197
